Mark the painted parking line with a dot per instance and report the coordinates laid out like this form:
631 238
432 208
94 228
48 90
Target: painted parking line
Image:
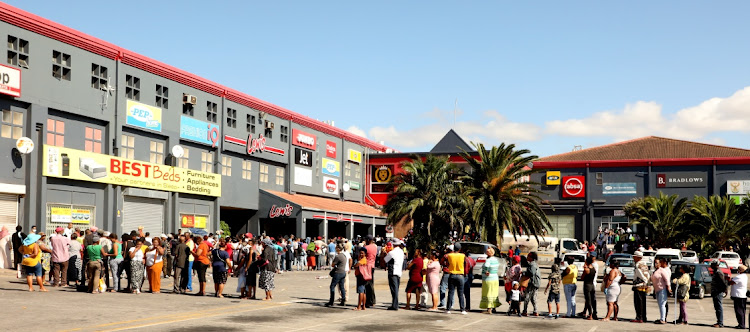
472 323
310 328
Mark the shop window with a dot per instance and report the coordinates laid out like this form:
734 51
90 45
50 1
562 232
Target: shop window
348 169
61 65
93 140
279 176
247 170
156 149
18 52
55 132
284 136
183 162
211 111
357 172
162 96
12 124
128 147
599 179
207 161
133 87
264 173
99 78
250 124
226 165
231 118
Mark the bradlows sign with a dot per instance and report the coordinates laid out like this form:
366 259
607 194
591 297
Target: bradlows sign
681 180
303 139
574 186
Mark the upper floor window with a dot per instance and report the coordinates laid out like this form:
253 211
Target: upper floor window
127 150
284 137
93 140
133 87
348 169
231 118
263 173
207 161
226 165
279 176
183 162
162 96
247 169
99 77
251 123
61 65
156 152
18 52
211 111
55 132
357 171
12 124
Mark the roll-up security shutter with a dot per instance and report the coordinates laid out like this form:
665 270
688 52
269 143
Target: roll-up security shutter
8 211
146 212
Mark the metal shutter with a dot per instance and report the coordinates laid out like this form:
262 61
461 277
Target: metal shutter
146 212
8 211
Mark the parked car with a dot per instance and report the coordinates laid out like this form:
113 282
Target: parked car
690 256
723 266
669 254
478 251
732 258
579 261
616 255
648 257
627 267
700 278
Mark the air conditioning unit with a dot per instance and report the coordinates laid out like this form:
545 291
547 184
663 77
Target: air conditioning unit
269 125
189 99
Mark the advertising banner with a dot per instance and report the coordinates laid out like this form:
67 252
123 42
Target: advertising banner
553 178
187 221
330 185
681 180
331 167
10 81
738 187
68 214
330 149
80 165
303 139
143 116
354 185
199 131
623 188
574 186
355 156
303 157
302 176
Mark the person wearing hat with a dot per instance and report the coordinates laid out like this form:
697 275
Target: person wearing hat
60 257
395 262
32 261
640 287
738 294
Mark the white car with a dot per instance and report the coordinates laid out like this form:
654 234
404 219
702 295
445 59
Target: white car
732 258
579 261
648 257
690 256
478 252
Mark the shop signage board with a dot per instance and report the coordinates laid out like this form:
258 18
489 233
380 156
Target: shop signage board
330 185
253 145
331 167
193 221
94 167
280 211
330 149
738 187
304 139
681 180
143 116
199 131
355 156
379 178
10 81
574 186
619 188
302 176
354 185
553 178
67 214
303 157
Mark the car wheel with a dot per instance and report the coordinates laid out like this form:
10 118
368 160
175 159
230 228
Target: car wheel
701 292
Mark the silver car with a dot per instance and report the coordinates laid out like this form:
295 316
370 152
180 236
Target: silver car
477 251
690 256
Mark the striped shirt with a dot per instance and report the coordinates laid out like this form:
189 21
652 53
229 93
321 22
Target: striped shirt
491 265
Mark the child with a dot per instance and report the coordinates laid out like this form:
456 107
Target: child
554 296
364 274
515 299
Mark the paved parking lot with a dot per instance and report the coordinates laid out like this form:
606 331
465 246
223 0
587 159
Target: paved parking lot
297 306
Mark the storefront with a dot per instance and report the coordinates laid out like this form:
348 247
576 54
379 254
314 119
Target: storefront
10 196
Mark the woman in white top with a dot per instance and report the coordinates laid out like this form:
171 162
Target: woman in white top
739 295
154 265
612 289
136 266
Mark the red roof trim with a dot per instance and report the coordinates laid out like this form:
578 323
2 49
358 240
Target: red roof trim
59 32
636 163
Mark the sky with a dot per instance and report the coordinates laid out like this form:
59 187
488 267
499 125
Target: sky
544 75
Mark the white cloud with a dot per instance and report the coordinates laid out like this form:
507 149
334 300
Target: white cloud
357 131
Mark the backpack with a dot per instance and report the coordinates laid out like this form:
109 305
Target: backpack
682 291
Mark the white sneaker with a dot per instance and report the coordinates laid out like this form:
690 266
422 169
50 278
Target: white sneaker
448 312
463 312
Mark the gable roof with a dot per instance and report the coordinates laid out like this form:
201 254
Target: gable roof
650 148
451 143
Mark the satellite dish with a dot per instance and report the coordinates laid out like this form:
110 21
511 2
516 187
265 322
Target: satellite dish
178 151
346 187
25 145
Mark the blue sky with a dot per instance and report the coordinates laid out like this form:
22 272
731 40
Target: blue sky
546 75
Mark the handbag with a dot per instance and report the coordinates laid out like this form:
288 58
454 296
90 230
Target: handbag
524 281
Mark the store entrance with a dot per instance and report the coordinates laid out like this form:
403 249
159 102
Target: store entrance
278 227
236 219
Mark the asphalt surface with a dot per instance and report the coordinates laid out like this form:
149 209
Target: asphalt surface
298 306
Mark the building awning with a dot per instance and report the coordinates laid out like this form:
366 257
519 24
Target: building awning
318 207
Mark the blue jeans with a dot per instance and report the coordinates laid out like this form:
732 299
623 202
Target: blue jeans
338 280
443 288
456 281
190 276
393 283
661 299
719 308
570 297
468 280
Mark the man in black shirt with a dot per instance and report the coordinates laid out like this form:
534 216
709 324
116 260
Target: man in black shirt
17 242
718 292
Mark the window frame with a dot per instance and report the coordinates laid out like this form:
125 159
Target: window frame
211 112
156 152
61 65
54 129
184 161
162 96
207 161
263 177
127 146
93 140
226 165
247 169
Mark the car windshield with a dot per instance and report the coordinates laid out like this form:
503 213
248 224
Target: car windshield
669 257
625 262
578 258
571 245
688 254
715 255
733 256
649 253
723 265
474 248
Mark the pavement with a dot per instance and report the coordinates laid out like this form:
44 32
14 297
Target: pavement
298 306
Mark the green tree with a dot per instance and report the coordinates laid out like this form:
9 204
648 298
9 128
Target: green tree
500 195
426 193
717 222
663 215
225 228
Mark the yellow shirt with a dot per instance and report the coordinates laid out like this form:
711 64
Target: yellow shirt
571 277
28 250
191 245
455 263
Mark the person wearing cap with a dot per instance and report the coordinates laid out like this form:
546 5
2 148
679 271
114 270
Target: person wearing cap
718 292
94 254
395 261
640 287
738 294
60 257
455 262
32 261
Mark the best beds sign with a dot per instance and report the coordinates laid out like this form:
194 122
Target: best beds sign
94 167
10 81
143 116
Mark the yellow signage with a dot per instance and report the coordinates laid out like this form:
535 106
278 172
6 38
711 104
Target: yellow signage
70 215
355 156
553 178
382 174
200 222
80 165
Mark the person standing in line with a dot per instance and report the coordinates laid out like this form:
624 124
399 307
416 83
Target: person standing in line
181 253
469 264
32 261
456 279
395 262
569 278
251 269
642 275
589 290
718 292
513 274
738 294
331 252
433 279
372 254
16 241
137 266
201 262
106 244
683 293
362 272
155 264
338 273
75 263
268 269
490 282
662 287
446 275
60 257
94 253
612 289
535 282
191 261
168 255
414 285
220 266
115 262
348 264
553 286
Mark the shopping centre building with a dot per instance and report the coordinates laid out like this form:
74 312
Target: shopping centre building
121 140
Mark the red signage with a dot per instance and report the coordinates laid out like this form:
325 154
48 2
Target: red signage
285 211
330 149
330 185
254 144
303 139
574 186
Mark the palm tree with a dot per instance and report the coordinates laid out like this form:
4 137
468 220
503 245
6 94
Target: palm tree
663 215
499 194
426 194
719 221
